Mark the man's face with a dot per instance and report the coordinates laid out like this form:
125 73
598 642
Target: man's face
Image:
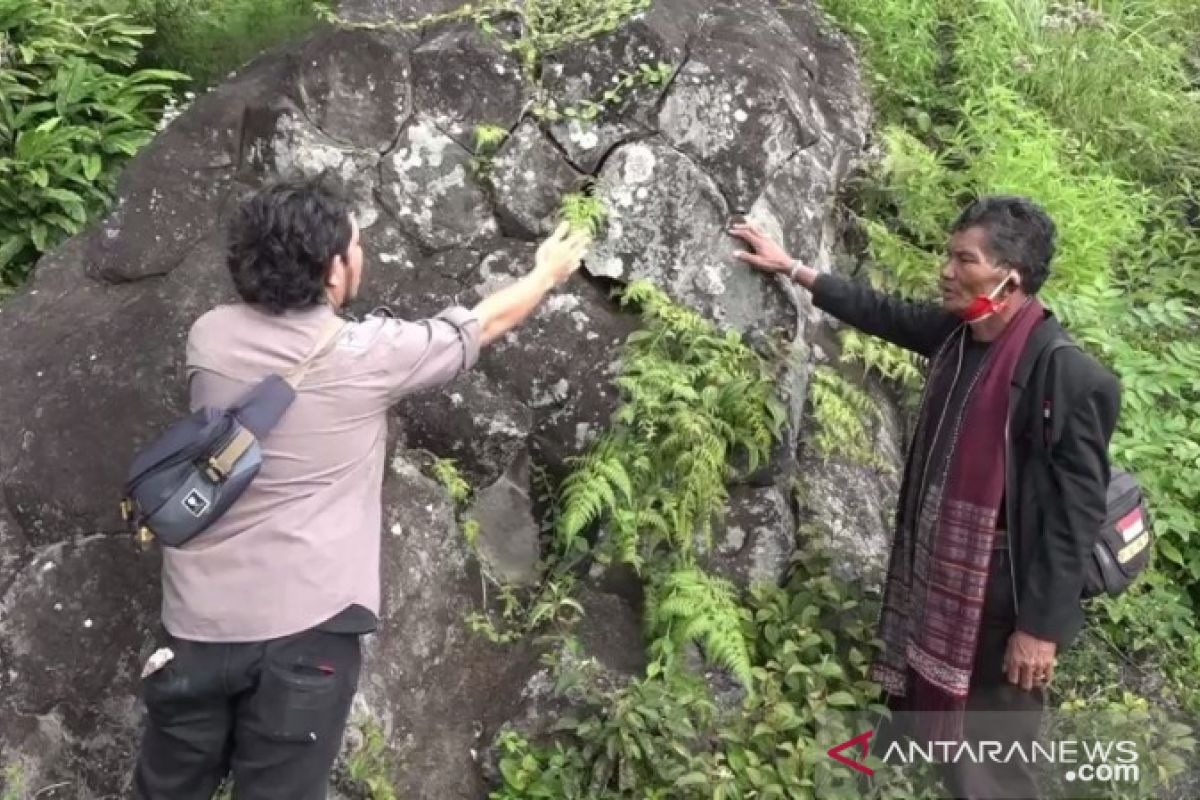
968 271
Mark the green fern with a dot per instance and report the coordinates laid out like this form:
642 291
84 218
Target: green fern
446 472
692 396
689 605
884 358
583 212
488 138
839 411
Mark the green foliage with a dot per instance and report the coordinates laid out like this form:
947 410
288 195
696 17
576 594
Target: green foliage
691 398
662 736
896 364
13 787
612 97
71 114
207 39
688 605
552 604
845 416
900 40
445 471
488 139
583 212
368 767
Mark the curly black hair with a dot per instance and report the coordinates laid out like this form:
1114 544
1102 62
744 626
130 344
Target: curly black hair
281 242
1020 235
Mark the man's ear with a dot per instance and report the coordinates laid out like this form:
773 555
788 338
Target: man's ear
1014 279
337 268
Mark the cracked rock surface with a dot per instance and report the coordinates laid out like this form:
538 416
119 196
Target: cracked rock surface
764 115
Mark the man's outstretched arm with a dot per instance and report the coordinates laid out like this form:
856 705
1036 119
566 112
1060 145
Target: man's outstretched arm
431 352
557 258
920 327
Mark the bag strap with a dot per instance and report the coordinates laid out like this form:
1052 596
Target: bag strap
325 338
1044 429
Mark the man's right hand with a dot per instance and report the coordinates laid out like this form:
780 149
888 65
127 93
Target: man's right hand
765 254
561 254
769 257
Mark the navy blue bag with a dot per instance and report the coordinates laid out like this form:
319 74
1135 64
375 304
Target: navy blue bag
191 474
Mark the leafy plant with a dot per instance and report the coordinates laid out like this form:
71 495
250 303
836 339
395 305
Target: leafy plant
369 765
584 212
14 783
488 138
71 114
842 413
663 736
691 398
445 471
207 39
688 605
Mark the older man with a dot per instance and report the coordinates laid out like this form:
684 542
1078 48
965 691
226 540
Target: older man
986 569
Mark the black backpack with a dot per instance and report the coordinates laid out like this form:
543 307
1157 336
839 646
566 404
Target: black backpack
1124 542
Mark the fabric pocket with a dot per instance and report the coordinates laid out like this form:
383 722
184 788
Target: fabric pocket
296 701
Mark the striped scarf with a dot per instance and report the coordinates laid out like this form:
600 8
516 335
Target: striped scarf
945 526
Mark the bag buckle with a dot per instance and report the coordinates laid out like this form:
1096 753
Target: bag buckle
213 470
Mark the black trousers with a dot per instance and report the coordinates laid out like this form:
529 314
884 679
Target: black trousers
997 711
271 713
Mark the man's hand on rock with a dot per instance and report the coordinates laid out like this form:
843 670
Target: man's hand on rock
765 255
561 254
769 257
1029 661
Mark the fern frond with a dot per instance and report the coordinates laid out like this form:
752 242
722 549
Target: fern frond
691 605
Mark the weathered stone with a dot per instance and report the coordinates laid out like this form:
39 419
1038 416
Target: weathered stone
530 177
849 508
508 532
578 75
560 363
296 149
433 686
756 540
430 188
740 106
172 193
829 57
75 628
668 223
481 428
462 79
353 85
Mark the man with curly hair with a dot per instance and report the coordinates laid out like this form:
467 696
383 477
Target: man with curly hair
993 534
264 611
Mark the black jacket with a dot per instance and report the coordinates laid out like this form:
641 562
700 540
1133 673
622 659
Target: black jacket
1054 506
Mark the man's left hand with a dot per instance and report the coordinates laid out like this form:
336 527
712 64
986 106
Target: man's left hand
1029 661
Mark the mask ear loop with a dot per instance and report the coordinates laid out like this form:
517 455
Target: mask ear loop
983 307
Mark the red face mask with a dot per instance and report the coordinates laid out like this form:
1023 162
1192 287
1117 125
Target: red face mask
983 307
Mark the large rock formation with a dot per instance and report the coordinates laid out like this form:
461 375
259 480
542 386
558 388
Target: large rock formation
764 115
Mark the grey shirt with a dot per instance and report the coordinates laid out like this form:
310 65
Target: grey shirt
302 542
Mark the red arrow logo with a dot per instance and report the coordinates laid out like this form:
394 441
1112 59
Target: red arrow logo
863 740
